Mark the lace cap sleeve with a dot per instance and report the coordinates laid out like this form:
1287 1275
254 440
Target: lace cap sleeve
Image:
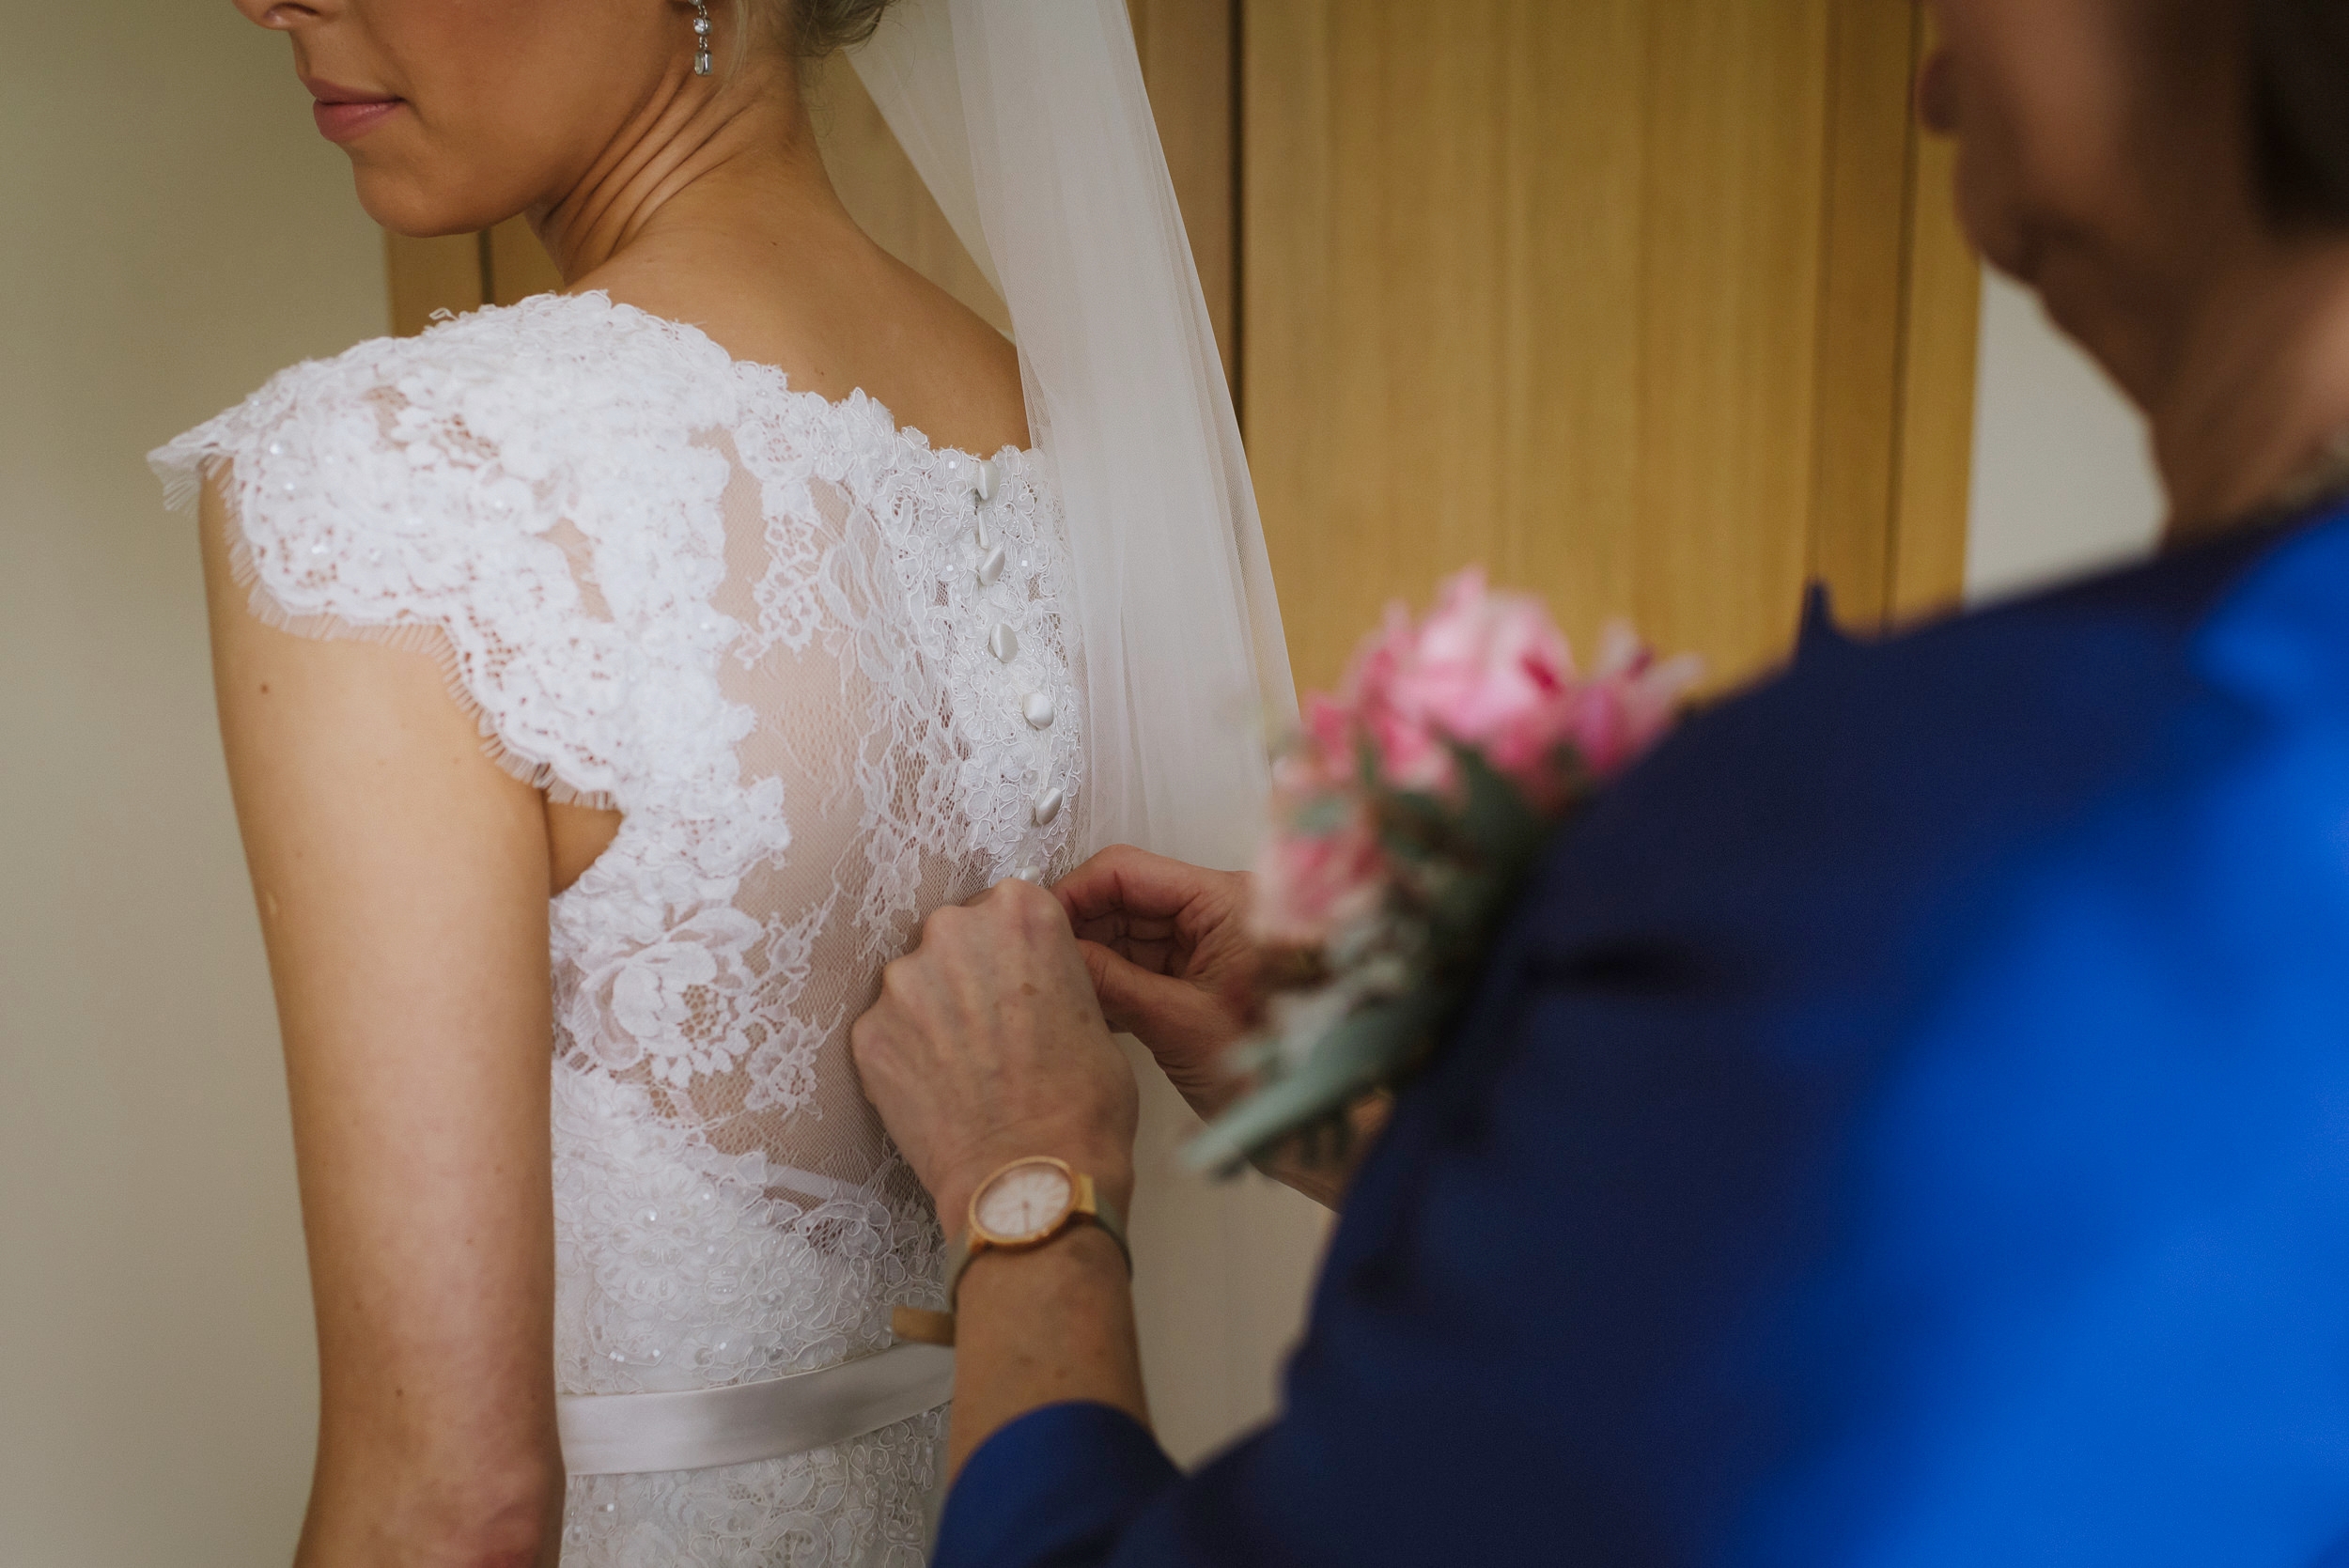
517 492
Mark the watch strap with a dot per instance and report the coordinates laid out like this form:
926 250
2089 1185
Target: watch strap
1087 1203
958 1255
1105 1215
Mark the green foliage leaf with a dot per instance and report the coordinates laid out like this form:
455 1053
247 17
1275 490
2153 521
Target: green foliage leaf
1499 824
1370 1047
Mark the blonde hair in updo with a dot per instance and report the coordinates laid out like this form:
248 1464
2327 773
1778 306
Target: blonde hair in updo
810 29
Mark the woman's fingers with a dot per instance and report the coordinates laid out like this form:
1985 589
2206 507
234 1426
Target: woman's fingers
1133 885
1155 913
1188 1028
1154 945
1133 996
988 1043
1167 949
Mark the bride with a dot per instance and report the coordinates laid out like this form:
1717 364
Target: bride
614 680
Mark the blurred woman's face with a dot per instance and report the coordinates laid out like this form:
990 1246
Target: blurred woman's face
458 114
2104 151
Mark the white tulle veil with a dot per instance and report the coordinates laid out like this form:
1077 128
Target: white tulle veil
1029 122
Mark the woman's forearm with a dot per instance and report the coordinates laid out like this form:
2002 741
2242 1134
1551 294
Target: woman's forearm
1043 1328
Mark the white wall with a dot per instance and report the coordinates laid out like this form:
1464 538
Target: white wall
175 230
2062 481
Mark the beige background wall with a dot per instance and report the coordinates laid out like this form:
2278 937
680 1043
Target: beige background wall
2063 480
171 230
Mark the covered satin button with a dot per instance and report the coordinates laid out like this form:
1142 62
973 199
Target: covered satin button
1037 709
987 540
991 568
1028 873
1003 642
982 482
1047 807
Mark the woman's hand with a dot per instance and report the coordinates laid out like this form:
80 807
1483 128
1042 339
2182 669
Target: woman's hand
1168 947
988 1044
1171 958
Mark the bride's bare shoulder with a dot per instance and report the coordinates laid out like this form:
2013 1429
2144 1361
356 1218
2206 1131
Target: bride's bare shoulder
838 314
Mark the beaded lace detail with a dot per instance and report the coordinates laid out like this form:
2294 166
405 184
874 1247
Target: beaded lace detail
829 687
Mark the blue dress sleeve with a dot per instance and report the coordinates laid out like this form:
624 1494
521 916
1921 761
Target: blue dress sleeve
1058 1486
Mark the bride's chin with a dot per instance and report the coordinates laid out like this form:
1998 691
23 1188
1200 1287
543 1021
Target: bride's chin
419 209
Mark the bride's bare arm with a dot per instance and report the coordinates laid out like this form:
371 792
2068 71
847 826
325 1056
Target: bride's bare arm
402 880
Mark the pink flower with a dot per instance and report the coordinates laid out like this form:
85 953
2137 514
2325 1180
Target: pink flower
1485 670
1311 884
1628 702
1327 755
1490 672
1392 893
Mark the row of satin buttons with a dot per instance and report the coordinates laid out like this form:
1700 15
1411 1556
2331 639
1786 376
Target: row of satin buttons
1003 644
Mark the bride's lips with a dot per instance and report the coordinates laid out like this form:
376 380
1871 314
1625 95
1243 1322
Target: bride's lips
346 113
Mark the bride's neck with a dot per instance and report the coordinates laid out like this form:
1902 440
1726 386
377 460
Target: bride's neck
709 169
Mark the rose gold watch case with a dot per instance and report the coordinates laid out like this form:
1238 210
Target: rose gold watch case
1085 1201
1078 1200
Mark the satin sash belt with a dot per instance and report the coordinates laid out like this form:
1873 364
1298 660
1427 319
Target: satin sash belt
698 1429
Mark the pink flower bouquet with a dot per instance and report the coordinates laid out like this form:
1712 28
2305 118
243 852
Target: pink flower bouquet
1407 812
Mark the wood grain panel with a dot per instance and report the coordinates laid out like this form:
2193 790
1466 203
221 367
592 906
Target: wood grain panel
1537 286
1863 286
1735 110
1569 413
1189 62
1941 337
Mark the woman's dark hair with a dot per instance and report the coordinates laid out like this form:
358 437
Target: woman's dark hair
2300 108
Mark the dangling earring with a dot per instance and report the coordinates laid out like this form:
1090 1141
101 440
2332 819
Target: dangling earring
701 37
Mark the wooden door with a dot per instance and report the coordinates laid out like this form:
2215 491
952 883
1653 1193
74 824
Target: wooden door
1652 306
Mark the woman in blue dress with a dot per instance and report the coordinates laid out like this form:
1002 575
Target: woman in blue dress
1907 1122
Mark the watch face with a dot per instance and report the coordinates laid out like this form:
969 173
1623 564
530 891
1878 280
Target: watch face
1024 1202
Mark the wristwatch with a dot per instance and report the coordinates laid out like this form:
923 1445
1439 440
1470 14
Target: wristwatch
1023 1206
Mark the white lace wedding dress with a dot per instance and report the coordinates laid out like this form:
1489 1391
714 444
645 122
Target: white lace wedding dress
827 673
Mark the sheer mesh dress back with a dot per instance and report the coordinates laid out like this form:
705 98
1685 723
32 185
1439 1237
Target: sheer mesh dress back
827 676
